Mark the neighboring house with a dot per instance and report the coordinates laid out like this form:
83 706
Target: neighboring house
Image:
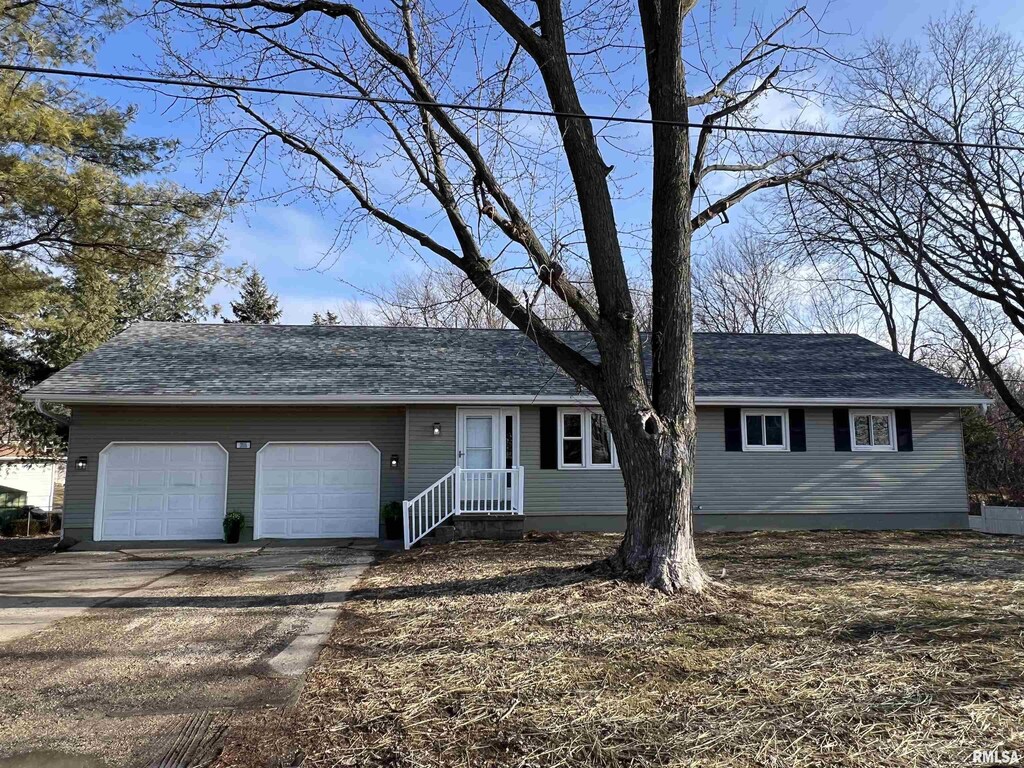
306 430
25 480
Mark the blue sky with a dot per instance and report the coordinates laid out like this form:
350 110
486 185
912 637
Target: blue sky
286 240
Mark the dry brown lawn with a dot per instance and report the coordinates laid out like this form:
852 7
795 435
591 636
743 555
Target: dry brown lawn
838 649
18 549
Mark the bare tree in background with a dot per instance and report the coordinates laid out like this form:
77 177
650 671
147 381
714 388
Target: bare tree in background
743 286
943 225
529 199
445 298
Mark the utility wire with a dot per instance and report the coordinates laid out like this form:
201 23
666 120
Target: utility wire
805 133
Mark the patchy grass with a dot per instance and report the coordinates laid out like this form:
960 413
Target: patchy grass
16 550
842 649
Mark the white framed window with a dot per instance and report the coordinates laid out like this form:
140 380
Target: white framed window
872 430
765 430
585 440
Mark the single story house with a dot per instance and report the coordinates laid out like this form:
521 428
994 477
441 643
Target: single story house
308 430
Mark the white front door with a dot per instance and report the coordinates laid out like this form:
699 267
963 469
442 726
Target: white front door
478 439
486 439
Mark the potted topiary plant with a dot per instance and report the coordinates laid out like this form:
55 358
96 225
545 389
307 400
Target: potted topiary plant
233 522
391 513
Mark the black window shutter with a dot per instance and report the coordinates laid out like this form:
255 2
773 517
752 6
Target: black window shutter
733 431
797 430
904 430
548 437
841 428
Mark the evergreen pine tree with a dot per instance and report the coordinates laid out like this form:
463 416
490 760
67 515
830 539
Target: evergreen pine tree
327 318
256 303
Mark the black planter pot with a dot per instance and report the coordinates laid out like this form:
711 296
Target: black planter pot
232 533
393 527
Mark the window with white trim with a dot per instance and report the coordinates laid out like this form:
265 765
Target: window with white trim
872 430
765 430
585 440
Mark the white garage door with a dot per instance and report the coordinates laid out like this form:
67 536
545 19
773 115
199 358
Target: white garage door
161 491
317 490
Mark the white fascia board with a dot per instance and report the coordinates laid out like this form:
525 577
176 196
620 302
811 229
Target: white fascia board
488 399
310 399
896 402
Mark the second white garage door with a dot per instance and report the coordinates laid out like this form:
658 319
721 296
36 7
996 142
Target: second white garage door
317 490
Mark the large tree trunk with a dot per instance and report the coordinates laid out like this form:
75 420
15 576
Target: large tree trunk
657 470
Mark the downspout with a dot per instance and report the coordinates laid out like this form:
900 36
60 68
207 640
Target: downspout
66 422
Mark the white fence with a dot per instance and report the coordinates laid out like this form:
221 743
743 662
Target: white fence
998 520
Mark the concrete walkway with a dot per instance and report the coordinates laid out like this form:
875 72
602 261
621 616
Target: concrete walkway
102 654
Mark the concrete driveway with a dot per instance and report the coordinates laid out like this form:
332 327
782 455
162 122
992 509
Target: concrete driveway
112 654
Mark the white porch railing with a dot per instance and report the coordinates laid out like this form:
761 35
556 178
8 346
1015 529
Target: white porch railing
460 492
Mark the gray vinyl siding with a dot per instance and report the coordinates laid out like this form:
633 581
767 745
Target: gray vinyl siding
821 481
564 491
821 487
430 457
94 427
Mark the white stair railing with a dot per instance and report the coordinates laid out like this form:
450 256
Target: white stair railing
463 492
427 510
490 491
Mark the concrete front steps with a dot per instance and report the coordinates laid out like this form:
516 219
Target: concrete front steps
480 527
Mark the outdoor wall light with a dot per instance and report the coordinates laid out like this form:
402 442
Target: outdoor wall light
82 462
437 428
243 444
394 460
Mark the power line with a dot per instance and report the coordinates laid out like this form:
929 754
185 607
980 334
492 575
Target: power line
521 111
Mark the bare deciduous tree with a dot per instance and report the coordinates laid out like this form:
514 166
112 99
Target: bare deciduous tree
940 224
499 197
743 286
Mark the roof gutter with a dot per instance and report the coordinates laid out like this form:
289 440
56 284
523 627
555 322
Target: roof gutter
493 399
62 420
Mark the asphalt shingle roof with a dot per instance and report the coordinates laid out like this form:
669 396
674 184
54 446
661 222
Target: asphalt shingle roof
272 361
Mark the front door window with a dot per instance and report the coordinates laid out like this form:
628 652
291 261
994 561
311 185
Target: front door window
479 439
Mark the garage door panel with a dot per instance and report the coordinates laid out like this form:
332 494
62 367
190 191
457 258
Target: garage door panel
183 454
150 478
304 526
334 478
305 454
300 502
179 502
120 457
277 528
309 478
148 529
151 504
117 528
310 490
211 505
275 478
121 478
182 477
341 527
161 491
275 502
151 455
